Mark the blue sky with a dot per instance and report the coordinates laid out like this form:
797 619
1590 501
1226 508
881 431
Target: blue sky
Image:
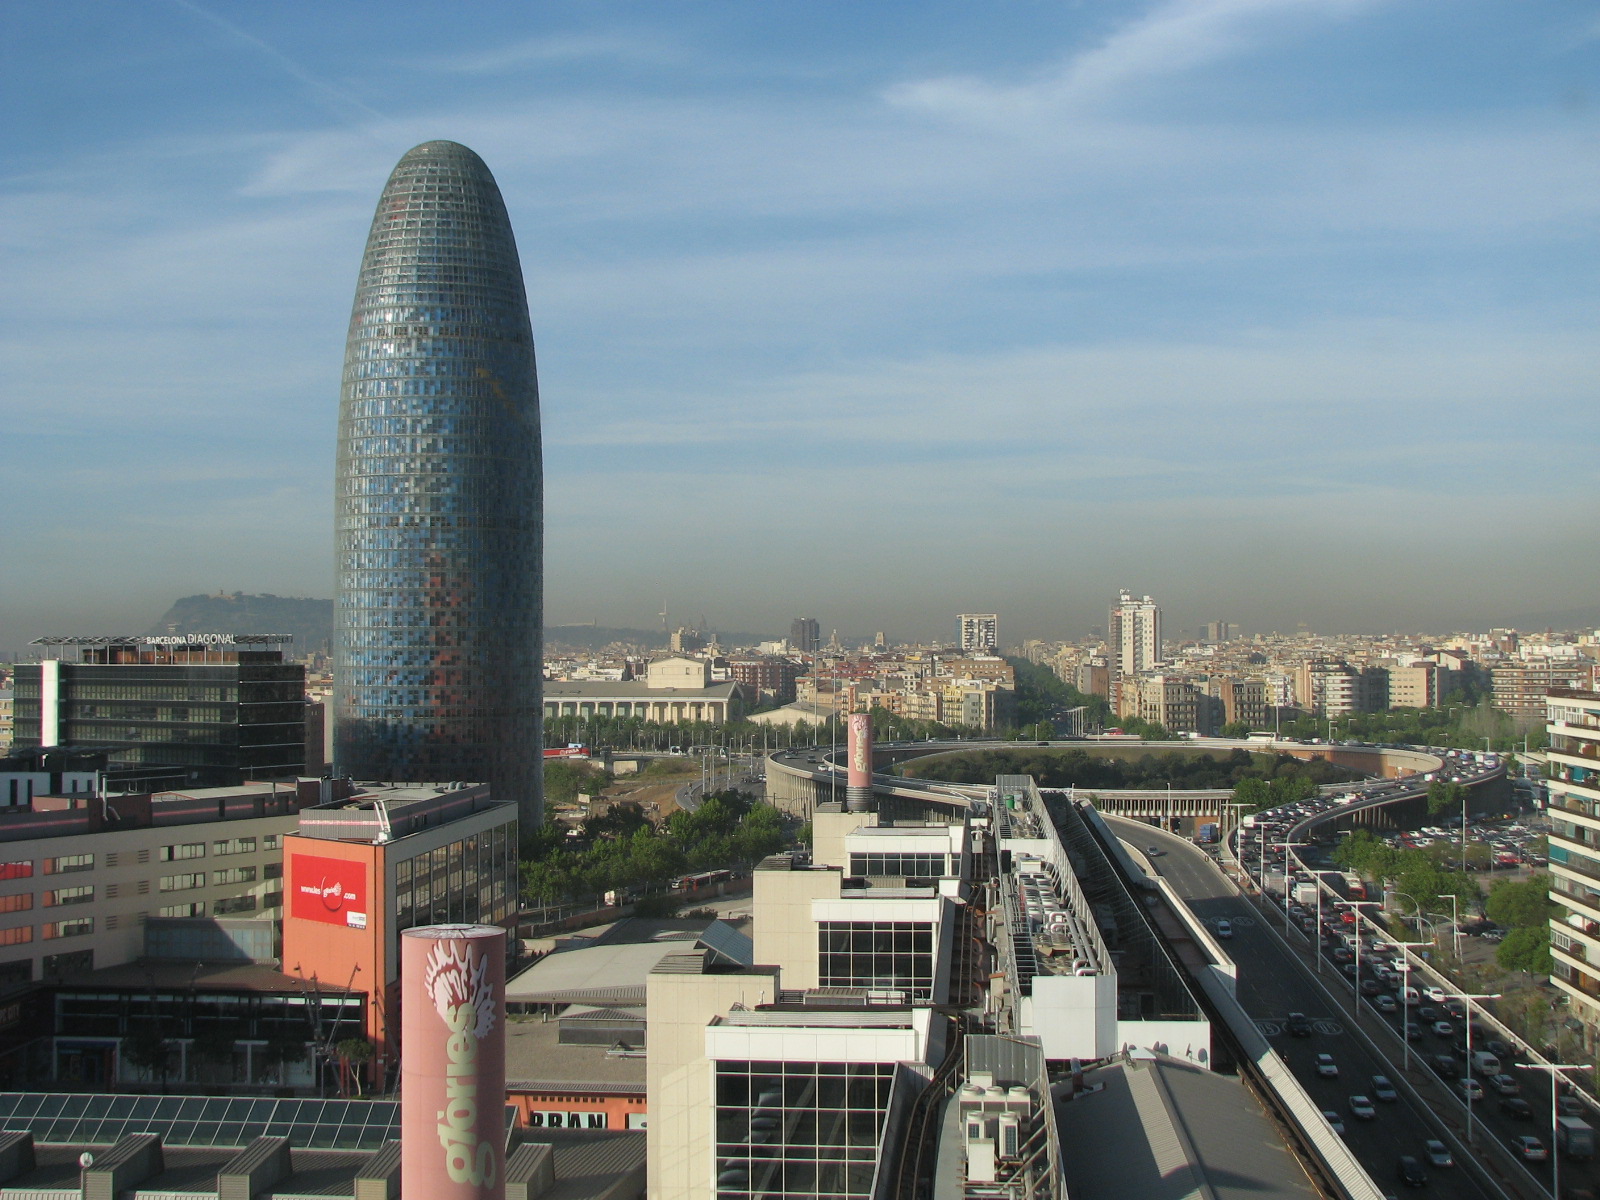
1280 310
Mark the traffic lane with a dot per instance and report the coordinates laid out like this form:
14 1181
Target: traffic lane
1272 982
1487 1113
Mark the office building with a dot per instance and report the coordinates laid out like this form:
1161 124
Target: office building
1135 639
673 690
978 633
805 635
360 870
204 709
439 494
1574 783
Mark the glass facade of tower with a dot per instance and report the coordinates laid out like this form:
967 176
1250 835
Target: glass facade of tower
439 494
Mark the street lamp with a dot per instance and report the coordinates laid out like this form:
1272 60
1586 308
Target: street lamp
1555 1158
1355 984
1285 847
1405 1009
1469 999
1229 831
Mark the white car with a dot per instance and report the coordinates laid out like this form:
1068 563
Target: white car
1224 929
1326 1067
1436 993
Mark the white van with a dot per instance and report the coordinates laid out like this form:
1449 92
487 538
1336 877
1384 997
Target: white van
1409 996
1484 1063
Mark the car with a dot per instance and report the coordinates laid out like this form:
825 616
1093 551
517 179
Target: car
1530 1148
1153 851
1383 1090
1497 1048
1516 1106
1470 1087
1570 1106
1362 1107
1326 1067
1224 929
1443 1029
1427 1014
1335 1120
1299 1025
1506 1085
1438 1153
1455 1009
1385 1004
1435 993
1371 987
1410 1171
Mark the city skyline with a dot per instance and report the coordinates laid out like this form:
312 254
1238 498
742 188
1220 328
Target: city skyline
1271 308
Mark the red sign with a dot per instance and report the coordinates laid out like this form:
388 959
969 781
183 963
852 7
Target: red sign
332 890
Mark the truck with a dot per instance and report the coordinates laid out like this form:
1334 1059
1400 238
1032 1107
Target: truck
1208 833
1574 1137
1306 894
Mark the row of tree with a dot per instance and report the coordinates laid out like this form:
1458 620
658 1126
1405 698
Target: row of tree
623 850
1268 778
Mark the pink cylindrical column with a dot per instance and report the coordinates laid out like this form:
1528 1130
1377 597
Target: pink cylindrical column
858 775
453 1062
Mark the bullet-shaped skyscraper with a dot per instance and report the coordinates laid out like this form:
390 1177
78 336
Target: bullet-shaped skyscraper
440 494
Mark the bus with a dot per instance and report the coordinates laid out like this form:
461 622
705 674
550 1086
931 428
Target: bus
1354 889
702 881
571 750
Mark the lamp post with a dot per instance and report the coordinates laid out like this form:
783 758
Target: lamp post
1405 1009
1469 999
1228 831
1286 847
1355 984
1554 1070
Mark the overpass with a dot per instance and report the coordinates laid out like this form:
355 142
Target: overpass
798 779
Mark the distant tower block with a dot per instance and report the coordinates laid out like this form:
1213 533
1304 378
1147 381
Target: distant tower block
453 1062
858 776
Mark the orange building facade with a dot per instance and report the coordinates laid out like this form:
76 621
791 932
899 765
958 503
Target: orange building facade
360 871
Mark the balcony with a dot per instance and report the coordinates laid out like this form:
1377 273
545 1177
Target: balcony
1568 856
1585 903
1571 979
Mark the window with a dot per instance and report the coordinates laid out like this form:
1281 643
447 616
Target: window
918 866
831 1116
77 895
234 904
68 862
890 955
61 966
15 903
182 883
76 927
234 875
185 850
197 909
16 937
238 845
269 841
17 870
272 871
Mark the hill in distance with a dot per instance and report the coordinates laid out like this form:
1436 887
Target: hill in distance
310 620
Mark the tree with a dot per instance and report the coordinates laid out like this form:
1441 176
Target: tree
150 1051
1521 905
1526 949
215 1044
1235 729
353 1053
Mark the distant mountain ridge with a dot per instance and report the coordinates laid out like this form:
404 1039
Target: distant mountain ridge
310 620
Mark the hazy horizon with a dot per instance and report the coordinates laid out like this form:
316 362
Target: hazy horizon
1280 312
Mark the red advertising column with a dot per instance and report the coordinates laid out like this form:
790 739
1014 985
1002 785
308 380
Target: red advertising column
453 1062
858 775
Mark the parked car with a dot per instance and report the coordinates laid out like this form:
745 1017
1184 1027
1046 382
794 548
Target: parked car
1438 1153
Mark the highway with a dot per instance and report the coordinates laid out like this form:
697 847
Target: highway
1273 982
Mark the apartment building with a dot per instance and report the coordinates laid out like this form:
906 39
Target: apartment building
1574 758
1520 686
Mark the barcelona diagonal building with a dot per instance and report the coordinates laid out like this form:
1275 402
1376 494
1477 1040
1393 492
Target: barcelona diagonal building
440 495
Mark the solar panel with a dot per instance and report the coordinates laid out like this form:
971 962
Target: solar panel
74 1119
